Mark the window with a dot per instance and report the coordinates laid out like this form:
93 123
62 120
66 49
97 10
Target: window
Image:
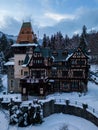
20 62
33 73
12 83
41 91
54 71
25 73
63 63
64 53
43 73
64 73
12 73
55 53
81 62
38 55
74 85
21 72
73 62
77 73
24 90
79 53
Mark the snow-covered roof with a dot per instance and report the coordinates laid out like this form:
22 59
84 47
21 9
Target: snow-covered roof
26 60
24 65
51 80
69 55
9 63
22 44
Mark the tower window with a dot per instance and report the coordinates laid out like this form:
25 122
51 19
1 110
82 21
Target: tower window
21 72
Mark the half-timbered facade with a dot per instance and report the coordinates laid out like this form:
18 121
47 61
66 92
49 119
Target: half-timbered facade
55 71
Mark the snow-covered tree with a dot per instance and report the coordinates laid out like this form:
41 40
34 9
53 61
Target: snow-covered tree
24 116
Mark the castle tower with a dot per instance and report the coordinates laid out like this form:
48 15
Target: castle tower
23 46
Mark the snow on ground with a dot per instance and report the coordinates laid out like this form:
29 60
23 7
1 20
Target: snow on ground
54 122
4 82
90 98
3 121
94 68
7 96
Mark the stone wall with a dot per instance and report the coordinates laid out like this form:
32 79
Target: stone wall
48 108
51 108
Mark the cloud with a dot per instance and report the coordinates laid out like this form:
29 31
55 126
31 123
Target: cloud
48 16
59 17
83 16
12 26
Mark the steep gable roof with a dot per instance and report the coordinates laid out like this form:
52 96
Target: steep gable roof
77 54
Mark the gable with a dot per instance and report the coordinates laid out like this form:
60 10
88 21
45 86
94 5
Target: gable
79 54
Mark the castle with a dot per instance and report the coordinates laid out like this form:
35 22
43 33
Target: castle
35 70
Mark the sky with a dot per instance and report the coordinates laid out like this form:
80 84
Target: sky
49 16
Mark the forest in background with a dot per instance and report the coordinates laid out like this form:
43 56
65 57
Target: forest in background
57 41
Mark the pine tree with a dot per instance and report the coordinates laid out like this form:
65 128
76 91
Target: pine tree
67 41
44 41
3 43
83 42
52 41
84 31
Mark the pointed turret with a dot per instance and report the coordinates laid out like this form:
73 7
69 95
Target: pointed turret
26 34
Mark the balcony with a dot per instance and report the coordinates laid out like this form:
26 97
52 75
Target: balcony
33 80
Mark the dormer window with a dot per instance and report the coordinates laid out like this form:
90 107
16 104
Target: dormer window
78 53
64 53
54 53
